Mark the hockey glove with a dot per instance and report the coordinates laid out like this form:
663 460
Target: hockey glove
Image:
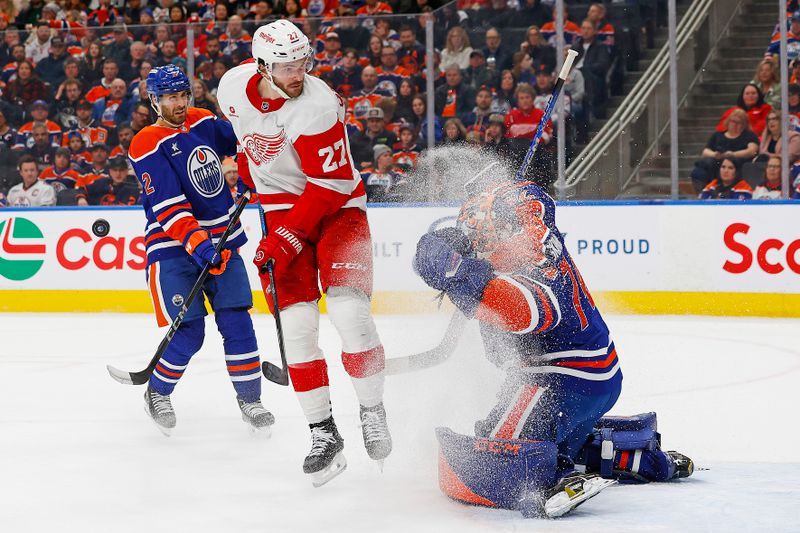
443 268
204 253
281 246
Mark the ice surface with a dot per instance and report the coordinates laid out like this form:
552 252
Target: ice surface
77 452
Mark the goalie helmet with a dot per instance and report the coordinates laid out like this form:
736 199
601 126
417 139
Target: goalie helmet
512 225
281 42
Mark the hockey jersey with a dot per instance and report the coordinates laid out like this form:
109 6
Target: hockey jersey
545 318
184 193
289 144
40 194
62 179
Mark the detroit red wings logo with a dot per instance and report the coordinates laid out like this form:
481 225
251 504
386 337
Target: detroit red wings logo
264 148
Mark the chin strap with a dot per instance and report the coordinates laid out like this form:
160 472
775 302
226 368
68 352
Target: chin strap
157 108
267 75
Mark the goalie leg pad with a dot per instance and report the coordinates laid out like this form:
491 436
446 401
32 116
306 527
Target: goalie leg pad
493 472
627 448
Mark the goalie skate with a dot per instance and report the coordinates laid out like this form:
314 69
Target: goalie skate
325 461
258 419
572 491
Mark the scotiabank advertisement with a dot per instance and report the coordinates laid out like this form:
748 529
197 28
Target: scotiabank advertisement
745 247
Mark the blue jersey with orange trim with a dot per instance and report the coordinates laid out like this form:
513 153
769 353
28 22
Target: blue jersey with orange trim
544 316
185 196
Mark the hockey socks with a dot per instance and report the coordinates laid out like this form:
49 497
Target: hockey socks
241 352
186 342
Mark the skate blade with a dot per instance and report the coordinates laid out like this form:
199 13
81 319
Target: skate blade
337 466
262 432
379 464
167 432
562 503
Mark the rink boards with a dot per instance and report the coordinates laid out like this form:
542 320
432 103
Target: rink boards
721 258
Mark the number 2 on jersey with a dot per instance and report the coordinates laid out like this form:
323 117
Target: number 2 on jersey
146 178
330 153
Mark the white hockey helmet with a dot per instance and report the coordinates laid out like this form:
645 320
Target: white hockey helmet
281 42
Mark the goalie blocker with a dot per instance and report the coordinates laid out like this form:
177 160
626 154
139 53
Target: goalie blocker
529 475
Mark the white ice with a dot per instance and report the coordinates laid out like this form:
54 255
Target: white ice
77 452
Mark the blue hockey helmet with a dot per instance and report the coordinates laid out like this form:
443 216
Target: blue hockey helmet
167 80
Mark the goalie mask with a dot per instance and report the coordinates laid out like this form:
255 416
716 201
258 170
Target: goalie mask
281 46
512 225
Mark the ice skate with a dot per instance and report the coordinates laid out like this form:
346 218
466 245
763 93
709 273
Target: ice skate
565 496
684 467
377 439
159 408
325 461
256 416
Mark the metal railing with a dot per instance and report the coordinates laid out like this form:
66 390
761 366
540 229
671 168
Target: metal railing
600 159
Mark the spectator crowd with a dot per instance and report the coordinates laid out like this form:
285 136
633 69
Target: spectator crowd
73 92
744 157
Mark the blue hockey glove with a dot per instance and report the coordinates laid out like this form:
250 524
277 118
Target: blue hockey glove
204 253
443 268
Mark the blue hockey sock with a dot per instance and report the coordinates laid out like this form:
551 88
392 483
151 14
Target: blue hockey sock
241 352
187 341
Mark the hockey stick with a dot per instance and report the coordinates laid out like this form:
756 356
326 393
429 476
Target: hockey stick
272 372
434 356
141 377
447 346
551 104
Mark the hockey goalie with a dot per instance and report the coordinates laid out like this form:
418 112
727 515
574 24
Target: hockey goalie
545 447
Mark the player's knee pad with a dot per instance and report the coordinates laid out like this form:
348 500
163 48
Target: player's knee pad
236 328
627 448
350 313
493 472
300 323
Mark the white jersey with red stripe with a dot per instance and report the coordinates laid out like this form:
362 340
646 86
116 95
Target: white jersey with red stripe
290 143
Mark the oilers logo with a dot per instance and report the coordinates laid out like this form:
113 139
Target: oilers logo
205 171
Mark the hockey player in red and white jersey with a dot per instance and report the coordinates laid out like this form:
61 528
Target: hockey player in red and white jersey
295 152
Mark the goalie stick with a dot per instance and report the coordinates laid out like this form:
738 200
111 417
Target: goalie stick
143 376
447 346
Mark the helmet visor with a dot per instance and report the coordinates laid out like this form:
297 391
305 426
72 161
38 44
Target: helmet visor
293 68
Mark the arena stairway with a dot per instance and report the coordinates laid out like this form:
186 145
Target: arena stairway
736 60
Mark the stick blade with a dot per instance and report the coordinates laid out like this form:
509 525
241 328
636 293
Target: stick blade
275 374
128 378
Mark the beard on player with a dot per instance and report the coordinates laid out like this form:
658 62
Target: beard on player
174 107
292 85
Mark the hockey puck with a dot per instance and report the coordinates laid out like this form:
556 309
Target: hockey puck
101 227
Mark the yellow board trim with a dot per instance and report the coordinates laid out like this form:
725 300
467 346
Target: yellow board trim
387 302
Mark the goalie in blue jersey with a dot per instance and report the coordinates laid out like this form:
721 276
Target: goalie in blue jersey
545 447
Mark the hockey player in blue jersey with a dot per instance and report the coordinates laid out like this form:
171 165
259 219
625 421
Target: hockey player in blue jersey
188 204
506 265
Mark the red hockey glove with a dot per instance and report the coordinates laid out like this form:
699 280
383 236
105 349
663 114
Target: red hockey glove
281 246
